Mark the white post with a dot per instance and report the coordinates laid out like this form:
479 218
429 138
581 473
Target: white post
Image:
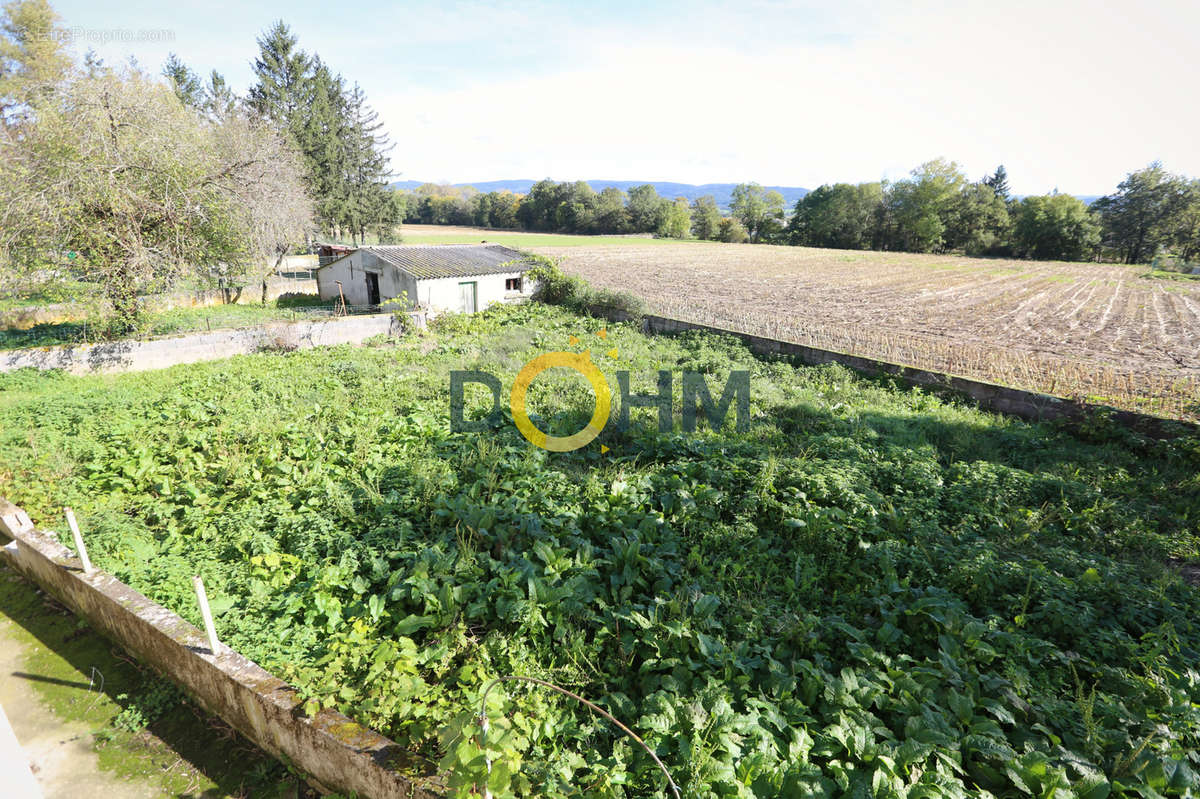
202 599
79 547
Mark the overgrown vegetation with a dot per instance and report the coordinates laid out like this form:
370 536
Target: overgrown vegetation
555 287
872 592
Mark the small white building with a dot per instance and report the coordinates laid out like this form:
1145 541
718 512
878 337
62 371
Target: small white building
441 277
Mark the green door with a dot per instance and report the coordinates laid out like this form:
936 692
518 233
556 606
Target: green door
468 297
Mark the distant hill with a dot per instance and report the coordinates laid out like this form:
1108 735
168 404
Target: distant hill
720 191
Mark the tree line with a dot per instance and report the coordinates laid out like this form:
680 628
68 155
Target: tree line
1152 213
574 207
937 209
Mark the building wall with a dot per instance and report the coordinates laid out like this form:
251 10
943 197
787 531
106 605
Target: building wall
439 294
352 272
442 294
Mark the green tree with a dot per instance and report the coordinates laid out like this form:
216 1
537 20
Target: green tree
281 92
611 214
1185 225
841 215
504 205
1140 216
923 209
998 182
1054 226
366 149
538 207
322 137
979 222
185 83
33 60
706 218
758 210
646 208
676 222
576 207
732 231
138 191
219 101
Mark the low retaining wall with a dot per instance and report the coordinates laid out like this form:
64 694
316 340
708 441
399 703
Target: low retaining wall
336 753
25 318
1031 405
131 356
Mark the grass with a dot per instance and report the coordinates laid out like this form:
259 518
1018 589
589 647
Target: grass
872 590
171 322
80 677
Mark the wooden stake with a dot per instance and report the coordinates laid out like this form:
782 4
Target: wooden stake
79 547
202 599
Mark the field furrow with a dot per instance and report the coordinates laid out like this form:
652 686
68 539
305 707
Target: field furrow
1070 328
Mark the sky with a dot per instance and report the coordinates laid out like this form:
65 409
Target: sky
1067 95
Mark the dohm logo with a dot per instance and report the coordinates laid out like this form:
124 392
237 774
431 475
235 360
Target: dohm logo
696 397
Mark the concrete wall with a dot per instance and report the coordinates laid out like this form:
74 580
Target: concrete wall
1030 405
25 318
132 356
338 754
442 294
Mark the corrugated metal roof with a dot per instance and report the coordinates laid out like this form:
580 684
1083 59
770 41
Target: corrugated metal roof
451 260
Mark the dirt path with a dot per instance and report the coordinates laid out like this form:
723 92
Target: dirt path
61 752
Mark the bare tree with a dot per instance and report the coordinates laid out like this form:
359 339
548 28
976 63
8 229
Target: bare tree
114 181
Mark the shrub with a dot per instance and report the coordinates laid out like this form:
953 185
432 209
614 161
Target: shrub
555 287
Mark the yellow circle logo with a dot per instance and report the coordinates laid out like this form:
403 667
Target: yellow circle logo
580 362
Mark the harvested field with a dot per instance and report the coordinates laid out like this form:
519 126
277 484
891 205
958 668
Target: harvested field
1095 331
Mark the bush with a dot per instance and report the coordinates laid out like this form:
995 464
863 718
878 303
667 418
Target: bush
555 287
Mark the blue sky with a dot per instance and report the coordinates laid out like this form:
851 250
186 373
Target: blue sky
1068 95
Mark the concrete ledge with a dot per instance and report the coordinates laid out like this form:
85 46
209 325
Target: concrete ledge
1030 405
132 356
337 754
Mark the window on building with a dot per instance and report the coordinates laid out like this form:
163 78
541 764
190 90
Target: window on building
512 284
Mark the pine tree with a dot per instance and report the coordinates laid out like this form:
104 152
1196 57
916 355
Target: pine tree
283 86
184 82
219 101
321 139
998 182
339 136
367 147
